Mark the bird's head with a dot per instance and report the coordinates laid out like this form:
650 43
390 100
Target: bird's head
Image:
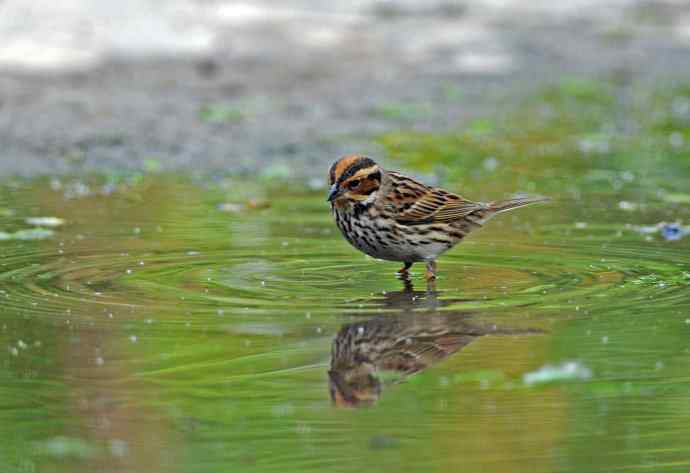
354 387
353 179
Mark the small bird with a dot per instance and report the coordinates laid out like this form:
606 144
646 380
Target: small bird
393 217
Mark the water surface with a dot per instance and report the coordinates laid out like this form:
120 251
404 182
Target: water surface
162 324
155 331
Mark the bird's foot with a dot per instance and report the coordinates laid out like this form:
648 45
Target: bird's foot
404 271
430 273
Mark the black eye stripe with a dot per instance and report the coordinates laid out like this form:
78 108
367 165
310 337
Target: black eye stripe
374 180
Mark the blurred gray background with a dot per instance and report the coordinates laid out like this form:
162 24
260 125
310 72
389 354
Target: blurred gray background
264 87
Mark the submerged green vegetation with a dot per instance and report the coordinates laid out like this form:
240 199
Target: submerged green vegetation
166 324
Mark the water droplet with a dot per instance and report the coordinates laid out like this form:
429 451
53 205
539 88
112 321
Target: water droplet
490 163
676 139
118 448
628 206
627 176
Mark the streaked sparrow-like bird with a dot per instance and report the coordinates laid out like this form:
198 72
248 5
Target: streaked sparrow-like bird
393 217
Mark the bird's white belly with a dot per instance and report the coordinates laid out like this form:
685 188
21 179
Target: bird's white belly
393 245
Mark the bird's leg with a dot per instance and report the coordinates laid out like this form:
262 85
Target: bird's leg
408 288
404 271
430 287
430 271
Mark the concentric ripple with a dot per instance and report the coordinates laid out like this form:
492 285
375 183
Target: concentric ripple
155 315
72 274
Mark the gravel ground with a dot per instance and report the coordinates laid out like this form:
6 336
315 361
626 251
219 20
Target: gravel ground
206 86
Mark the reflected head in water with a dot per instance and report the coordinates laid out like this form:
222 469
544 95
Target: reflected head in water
397 345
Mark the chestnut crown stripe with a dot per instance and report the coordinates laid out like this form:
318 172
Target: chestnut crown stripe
355 165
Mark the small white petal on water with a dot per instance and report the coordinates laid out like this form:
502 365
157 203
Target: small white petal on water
45 221
566 371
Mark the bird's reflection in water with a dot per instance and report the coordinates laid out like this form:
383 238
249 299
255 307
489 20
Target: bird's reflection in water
399 344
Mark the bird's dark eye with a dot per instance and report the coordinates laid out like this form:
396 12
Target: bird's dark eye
353 184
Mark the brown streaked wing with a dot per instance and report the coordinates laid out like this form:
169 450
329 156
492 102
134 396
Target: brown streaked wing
423 352
416 203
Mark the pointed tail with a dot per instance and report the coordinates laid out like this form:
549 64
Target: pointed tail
510 204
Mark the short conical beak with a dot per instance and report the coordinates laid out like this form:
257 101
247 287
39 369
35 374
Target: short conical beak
333 193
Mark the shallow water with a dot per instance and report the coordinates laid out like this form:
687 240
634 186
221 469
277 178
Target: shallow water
157 329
